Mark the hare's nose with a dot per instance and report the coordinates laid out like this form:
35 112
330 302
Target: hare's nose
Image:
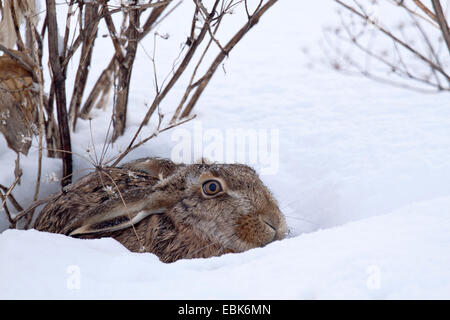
270 224
276 226
273 227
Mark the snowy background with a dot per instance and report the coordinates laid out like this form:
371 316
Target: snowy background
363 178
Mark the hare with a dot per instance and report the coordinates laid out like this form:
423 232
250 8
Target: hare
175 211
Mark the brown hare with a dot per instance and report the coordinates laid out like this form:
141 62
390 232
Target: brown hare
173 210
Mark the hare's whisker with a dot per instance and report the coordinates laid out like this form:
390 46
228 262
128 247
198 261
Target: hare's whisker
106 143
92 160
286 205
92 142
302 219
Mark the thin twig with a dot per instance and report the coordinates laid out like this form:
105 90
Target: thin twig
19 41
425 9
5 208
157 132
442 22
60 90
396 39
11 188
221 56
41 113
11 198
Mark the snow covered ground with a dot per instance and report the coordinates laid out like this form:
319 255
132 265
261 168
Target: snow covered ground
363 177
393 256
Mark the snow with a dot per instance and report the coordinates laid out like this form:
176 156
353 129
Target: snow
392 256
363 176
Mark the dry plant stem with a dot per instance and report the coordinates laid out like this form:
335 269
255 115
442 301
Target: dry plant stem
366 73
431 49
157 8
104 82
404 72
60 91
141 6
11 198
122 94
67 31
397 68
442 22
151 22
8 192
206 18
430 19
8 214
181 68
157 131
51 127
71 51
432 54
193 24
68 52
41 132
19 41
28 211
221 56
124 75
191 86
114 37
153 59
29 38
425 9
103 100
44 27
41 117
89 34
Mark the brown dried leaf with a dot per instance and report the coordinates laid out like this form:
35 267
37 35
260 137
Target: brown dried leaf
18 114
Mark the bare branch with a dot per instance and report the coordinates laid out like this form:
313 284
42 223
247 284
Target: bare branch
430 59
153 135
442 22
60 90
221 56
425 9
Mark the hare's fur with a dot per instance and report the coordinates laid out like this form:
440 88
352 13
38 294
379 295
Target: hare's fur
157 206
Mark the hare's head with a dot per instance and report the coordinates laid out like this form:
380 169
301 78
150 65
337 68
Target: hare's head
226 203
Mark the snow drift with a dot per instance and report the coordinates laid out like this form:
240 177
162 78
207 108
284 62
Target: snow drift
401 255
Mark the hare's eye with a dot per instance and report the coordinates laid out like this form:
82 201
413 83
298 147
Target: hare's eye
212 187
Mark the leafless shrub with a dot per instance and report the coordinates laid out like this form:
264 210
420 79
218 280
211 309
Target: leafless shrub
137 20
410 50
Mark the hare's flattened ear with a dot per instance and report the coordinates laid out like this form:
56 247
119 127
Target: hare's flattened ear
157 167
106 223
114 215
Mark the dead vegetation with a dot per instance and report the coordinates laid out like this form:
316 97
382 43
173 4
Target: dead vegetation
402 43
30 108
